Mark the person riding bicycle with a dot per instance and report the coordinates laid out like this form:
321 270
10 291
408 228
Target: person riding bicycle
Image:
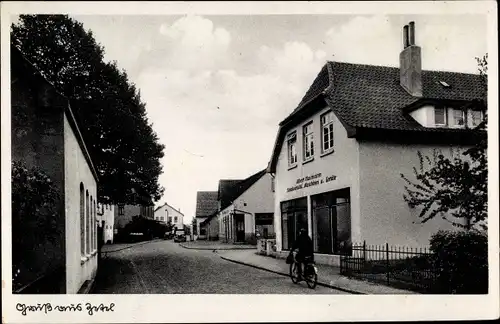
305 246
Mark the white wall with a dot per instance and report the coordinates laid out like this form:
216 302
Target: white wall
76 170
259 198
342 163
106 214
385 216
167 211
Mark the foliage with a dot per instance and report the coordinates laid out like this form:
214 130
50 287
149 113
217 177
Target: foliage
458 185
111 114
34 213
461 261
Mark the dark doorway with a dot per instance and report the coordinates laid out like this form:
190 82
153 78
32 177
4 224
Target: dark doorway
240 227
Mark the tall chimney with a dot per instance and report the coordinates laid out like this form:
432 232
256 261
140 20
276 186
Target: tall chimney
405 37
410 62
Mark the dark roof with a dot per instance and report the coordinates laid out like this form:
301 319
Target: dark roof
229 190
206 203
21 67
369 97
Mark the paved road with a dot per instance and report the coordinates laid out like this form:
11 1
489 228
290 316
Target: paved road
166 268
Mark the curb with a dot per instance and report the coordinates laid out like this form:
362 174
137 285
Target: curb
128 247
212 248
287 275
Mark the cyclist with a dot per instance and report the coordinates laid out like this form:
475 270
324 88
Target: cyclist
305 246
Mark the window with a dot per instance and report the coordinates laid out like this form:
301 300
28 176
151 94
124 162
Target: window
327 131
87 223
439 116
476 117
308 142
293 218
91 223
120 210
331 222
162 218
458 118
175 219
94 226
82 220
292 149
170 219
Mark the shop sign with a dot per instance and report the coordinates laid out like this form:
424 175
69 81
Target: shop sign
310 181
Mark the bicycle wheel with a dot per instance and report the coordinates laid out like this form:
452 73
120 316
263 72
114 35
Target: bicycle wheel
311 278
293 273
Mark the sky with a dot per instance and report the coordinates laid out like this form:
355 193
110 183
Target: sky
216 87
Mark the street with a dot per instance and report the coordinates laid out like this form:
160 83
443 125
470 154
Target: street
163 267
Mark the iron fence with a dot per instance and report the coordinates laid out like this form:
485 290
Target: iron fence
399 267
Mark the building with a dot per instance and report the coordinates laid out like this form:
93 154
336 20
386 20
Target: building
46 135
339 156
125 213
211 225
245 208
206 205
106 220
168 214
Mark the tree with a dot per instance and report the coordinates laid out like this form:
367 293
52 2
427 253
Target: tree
108 107
455 186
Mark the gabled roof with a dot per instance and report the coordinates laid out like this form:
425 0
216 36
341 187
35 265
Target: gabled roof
229 190
368 98
166 204
206 203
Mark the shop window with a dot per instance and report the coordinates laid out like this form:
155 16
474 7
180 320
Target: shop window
82 220
308 142
327 131
331 222
292 149
293 218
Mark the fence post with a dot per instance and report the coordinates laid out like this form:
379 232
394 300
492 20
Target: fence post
387 260
364 255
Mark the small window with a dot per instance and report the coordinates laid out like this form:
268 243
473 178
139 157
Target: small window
120 210
440 116
476 117
175 219
308 142
162 218
458 118
444 84
327 131
292 149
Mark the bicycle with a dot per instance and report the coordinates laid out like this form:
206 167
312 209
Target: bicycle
309 273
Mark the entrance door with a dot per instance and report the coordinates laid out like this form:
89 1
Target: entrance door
323 230
240 227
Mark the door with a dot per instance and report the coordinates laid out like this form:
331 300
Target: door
240 228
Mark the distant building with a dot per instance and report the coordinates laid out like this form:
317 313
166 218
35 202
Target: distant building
46 135
106 219
166 213
206 205
125 213
245 209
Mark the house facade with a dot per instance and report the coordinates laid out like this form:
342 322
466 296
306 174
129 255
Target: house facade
106 220
206 205
338 158
166 213
125 213
46 136
246 209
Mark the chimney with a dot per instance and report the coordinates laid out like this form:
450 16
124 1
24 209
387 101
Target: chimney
410 62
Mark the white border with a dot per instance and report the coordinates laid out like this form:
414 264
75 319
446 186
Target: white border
247 308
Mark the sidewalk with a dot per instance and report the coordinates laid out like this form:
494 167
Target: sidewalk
216 245
108 248
328 276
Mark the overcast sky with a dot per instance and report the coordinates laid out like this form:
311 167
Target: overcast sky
216 87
